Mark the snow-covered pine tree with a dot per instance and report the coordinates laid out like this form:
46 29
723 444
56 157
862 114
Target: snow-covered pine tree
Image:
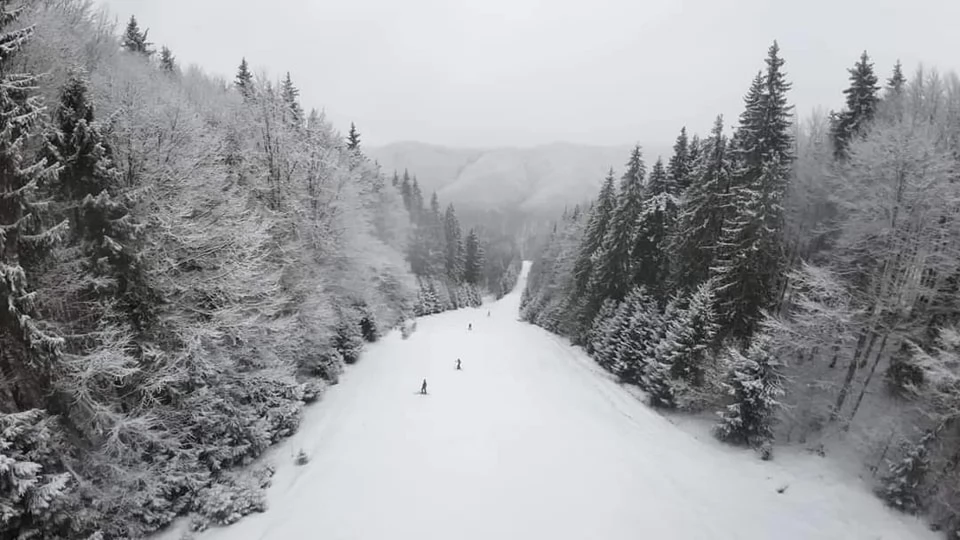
688 345
861 105
750 255
453 245
473 259
612 270
896 81
656 378
28 347
904 485
755 385
680 166
701 218
609 331
353 138
135 40
598 327
650 253
290 94
586 300
168 63
244 79
639 338
595 231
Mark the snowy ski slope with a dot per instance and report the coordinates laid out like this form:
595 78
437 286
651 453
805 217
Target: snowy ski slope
532 440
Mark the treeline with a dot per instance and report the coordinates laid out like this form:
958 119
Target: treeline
447 265
800 278
184 262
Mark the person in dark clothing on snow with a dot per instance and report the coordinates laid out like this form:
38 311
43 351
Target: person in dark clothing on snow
470 326
488 313
458 363
423 387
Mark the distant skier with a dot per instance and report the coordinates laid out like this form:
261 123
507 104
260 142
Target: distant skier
488 313
458 363
470 326
423 388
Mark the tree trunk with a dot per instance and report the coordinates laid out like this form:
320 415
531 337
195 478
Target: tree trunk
851 371
866 382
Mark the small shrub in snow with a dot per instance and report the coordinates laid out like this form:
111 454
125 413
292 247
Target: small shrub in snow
312 391
902 487
302 458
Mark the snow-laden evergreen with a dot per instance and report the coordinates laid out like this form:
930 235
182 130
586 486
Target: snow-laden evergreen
755 386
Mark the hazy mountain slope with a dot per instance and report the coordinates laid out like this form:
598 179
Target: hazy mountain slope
531 180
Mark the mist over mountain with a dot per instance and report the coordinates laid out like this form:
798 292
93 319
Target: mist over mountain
532 182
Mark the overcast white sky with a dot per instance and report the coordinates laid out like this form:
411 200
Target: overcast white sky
527 72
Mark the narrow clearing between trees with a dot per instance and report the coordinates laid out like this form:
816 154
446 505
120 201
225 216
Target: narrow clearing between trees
532 440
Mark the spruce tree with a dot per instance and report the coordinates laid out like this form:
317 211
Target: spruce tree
244 80
135 40
613 273
686 346
680 166
750 250
650 254
903 486
473 263
700 223
861 106
896 81
29 348
167 61
406 192
590 243
755 385
290 94
353 139
454 249
416 201
639 337
694 154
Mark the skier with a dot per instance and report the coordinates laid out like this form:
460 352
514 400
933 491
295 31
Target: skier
458 363
488 313
470 326
423 388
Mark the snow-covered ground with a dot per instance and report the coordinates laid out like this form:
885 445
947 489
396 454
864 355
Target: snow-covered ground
532 440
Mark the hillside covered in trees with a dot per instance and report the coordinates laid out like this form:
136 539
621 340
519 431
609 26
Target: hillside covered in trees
800 278
185 262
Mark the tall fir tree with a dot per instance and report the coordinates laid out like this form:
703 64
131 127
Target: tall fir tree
290 95
638 338
135 40
406 192
29 348
750 255
168 63
755 386
614 271
244 79
700 223
353 138
687 345
861 106
896 81
680 167
650 253
596 230
454 249
473 262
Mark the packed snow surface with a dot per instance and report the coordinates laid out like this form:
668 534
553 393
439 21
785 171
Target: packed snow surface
532 440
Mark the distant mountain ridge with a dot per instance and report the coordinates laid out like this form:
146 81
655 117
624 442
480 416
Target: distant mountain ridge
534 181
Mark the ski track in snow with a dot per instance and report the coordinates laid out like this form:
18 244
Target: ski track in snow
531 440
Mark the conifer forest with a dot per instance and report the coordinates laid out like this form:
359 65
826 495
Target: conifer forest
188 261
